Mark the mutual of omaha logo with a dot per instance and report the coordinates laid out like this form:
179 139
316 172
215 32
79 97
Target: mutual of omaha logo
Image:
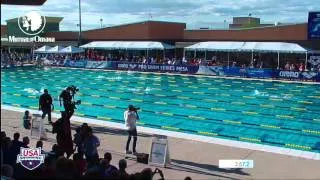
30 158
32 23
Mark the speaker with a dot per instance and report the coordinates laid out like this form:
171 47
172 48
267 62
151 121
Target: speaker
142 158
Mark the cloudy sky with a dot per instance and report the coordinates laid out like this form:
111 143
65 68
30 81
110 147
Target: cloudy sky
196 13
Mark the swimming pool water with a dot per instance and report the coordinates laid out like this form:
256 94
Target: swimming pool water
274 113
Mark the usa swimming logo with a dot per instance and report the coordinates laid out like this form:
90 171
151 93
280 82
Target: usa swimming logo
30 158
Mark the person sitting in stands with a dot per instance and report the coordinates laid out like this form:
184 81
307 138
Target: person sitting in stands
287 66
301 67
292 67
108 170
27 120
122 169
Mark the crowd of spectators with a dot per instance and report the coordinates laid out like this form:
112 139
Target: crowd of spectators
15 59
84 164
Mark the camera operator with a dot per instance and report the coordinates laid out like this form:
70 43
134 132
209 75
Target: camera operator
66 96
45 104
131 116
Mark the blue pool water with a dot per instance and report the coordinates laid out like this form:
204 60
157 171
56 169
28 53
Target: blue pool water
274 113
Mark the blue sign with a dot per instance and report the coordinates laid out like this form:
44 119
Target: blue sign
314 25
78 64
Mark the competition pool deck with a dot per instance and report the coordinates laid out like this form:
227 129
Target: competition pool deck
283 114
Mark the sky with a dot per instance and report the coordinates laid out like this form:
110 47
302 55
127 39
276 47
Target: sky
195 13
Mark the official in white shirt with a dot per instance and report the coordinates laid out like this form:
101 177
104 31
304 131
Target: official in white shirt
131 117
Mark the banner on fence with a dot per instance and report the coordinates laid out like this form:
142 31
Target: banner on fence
99 64
79 63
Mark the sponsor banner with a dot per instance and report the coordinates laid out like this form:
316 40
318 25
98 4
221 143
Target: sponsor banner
307 75
260 73
314 25
99 64
211 70
79 63
155 67
314 60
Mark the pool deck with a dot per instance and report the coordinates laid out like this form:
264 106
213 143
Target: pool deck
196 159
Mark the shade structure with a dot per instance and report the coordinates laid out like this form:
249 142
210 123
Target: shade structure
279 47
43 49
71 50
129 45
55 49
216 46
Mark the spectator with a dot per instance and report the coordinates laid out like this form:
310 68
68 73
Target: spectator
65 168
292 67
287 66
16 145
77 140
122 169
301 67
27 120
26 141
6 147
91 143
40 145
187 178
108 170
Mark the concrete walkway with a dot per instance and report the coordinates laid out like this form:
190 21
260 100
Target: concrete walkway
189 158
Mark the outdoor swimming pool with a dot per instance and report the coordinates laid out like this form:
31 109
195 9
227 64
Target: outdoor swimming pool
274 113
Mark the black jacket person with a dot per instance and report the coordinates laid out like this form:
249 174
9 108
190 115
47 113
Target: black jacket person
45 104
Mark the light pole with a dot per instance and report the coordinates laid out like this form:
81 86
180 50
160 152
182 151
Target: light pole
79 37
101 22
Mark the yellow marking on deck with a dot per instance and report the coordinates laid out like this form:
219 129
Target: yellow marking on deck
191 106
267 105
170 128
218 109
207 133
197 117
298 146
183 97
136 100
111 107
104 118
232 122
238 103
160 103
250 139
249 97
275 99
311 131
270 126
284 116
111 97
298 109
306 102
249 112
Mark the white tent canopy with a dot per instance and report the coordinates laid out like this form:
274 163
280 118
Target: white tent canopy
71 49
43 49
228 46
129 45
55 49
216 46
280 47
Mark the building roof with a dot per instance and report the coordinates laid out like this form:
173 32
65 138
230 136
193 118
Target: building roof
48 19
24 2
